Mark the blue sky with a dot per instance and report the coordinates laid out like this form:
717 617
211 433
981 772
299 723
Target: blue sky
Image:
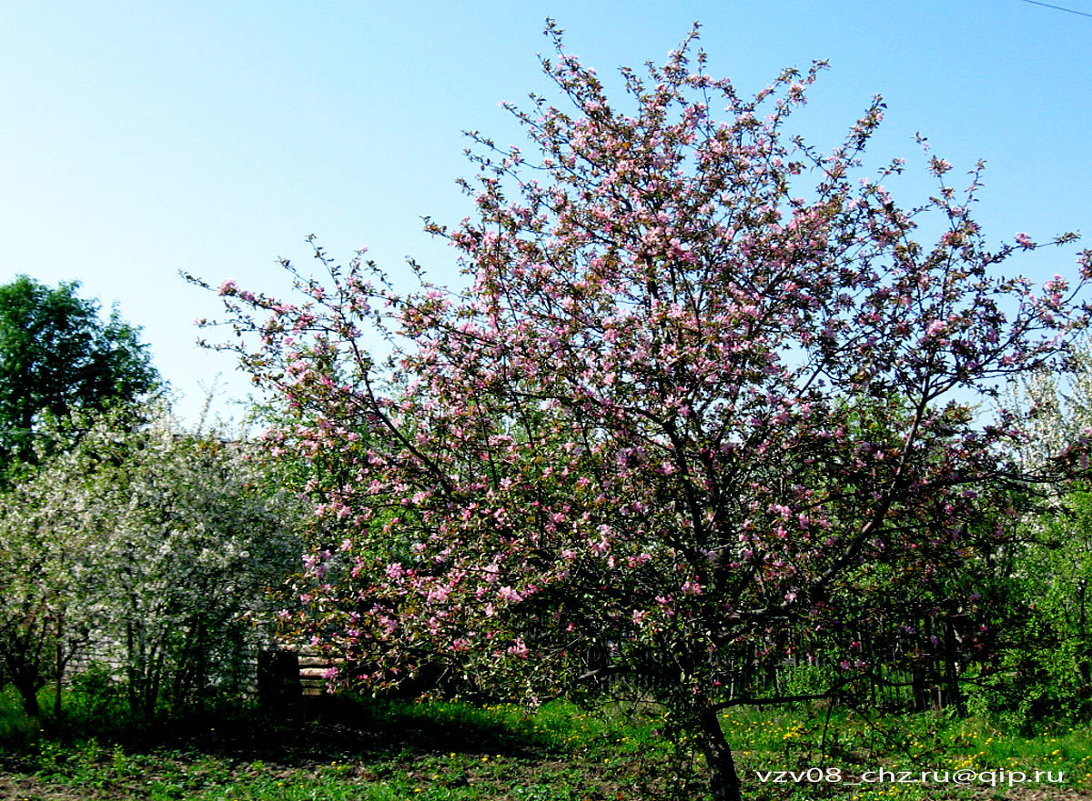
141 138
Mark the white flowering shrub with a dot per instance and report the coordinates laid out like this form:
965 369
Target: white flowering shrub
153 549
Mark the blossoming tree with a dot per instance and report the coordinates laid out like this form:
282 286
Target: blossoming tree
144 546
706 399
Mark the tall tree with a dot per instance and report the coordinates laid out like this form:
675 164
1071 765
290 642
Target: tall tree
57 356
706 391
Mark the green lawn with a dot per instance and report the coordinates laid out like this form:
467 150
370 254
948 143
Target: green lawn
343 749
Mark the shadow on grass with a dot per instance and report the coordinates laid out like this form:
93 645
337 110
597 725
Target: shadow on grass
339 725
313 730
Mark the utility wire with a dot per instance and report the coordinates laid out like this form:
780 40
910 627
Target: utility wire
1057 8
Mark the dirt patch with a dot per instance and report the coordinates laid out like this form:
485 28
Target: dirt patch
14 787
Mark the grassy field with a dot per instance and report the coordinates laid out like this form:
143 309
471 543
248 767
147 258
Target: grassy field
342 749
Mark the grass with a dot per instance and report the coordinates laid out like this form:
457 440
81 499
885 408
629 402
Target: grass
344 748
347 749
926 753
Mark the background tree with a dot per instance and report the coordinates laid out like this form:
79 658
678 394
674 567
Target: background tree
1041 664
152 549
49 587
200 543
58 356
704 391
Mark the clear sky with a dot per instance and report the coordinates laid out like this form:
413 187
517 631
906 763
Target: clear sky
139 137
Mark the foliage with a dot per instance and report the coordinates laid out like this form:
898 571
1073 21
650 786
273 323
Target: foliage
706 406
198 545
57 356
1042 666
146 547
48 586
1038 666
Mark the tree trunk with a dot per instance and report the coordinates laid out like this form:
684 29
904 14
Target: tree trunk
28 692
951 671
723 781
23 672
131 666
58 669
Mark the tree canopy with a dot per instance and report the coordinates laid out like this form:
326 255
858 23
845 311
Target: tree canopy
706 406
146 546
57 356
